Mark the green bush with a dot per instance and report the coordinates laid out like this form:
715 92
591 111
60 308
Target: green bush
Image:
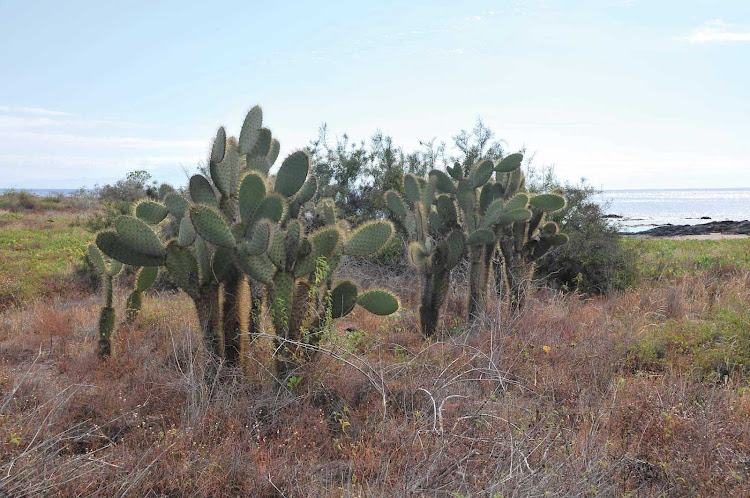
595 260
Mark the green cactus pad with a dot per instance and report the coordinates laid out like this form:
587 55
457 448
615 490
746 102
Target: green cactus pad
411 188
151 212
326 211
146 277
138 236
273 151
548 202
517 215
176 204
368 238
487 195
292 237
292 174
260 238
308 190
283 287
203 255
263 144
378 302
96 258
343 298
259 164
276 251
518 201
219 146
250 130
455 171
115 267
509 163
443 182
201 191
436 223
251 194
210 225
133 306
257 267
480 237
492 214
482 173
305 265
395 203
222 173
515 181
324 240
111 245
271 208
186 234
417 254
183 267
446 209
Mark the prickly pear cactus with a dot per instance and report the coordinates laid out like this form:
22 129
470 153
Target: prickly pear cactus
304 297
107 269
144 279
523 242
436 241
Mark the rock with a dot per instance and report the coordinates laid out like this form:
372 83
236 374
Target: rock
722 227
613 216
705 217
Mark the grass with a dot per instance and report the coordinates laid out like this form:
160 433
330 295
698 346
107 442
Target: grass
38 252
670 258
643 393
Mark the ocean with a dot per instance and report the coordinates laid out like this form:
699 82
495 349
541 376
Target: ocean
644 209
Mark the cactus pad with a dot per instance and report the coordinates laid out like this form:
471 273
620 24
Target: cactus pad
183 268
258 267
271 208
443 182
378 302
151 212
111 245
482 173
509 163
480 237
219 146
395 203
139 236
261 236
96 258
263 144
252 192
273 151
210 225
368 238
308 190
292 174
201 191
250 130
517 215
146 277
343 298
186 234
518 201
417 254
548 202
176 204
411 188
324 241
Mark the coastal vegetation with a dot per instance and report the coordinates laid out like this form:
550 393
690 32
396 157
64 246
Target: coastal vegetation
361 321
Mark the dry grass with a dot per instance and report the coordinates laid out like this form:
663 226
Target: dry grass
564 400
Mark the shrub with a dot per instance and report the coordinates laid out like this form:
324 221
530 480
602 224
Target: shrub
595 260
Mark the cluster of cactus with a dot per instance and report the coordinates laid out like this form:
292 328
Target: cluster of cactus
436 244
522 243
107 269
467 212
239 224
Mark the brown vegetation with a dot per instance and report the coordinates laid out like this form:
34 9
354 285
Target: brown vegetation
575 397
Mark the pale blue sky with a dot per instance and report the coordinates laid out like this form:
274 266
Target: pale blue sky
628 93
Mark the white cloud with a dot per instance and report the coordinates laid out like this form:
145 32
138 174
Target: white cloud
38 111
717 31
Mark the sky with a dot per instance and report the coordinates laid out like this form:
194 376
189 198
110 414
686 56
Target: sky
626 93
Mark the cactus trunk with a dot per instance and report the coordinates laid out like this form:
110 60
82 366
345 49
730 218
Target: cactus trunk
435 285
106 326
231 324
207 308
516 277
479 269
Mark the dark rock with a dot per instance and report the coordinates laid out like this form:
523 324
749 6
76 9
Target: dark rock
705 217
613 216
722 227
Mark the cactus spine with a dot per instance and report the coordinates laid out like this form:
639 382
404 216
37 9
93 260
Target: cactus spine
107 269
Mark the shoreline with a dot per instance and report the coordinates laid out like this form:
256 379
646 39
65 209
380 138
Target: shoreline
715 230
